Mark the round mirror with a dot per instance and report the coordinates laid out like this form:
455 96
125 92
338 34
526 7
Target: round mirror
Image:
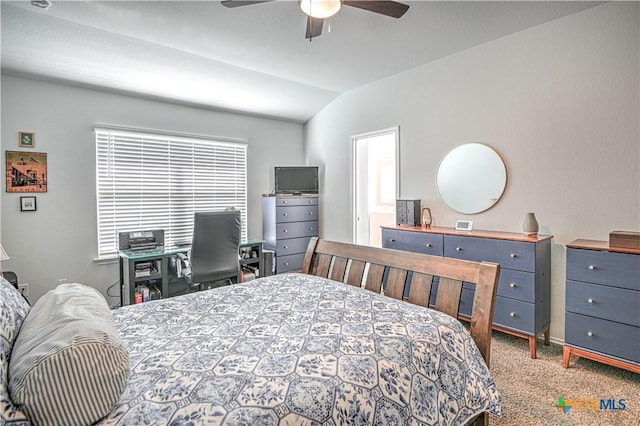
471 178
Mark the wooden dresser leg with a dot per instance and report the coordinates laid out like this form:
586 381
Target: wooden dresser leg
532 346
566 356
546 338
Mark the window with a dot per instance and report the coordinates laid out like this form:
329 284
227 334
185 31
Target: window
157 181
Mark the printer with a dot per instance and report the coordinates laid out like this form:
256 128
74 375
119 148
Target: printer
141 240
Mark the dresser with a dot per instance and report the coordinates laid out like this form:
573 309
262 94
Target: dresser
524 288
288 223
602 304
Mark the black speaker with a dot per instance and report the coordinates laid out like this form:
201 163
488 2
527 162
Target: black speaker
267 263
408 212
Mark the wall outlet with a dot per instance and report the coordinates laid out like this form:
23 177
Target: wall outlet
24 289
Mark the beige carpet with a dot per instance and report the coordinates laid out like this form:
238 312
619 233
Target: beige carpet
530 387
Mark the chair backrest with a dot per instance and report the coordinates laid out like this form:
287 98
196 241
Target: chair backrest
215 245
371 267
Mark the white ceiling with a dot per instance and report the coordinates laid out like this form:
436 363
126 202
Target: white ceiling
253 59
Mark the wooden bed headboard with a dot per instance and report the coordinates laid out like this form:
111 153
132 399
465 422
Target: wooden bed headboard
347 263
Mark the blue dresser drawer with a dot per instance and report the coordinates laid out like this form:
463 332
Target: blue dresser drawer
509 254
292 246
289 263
517 285
611 303
515 315
508 313
600 267
416 242
606 337
296 229
296 213
296 201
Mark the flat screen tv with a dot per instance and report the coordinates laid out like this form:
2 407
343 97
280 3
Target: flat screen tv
296 180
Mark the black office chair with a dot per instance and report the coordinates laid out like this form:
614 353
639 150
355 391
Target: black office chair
214 250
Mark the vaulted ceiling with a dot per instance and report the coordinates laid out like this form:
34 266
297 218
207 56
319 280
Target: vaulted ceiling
253 59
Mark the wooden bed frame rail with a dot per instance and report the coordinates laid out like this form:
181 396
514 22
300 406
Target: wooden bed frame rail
351 264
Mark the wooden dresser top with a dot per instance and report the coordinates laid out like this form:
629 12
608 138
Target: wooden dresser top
478 233
600 245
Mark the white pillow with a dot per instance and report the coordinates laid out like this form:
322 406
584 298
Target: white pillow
68 365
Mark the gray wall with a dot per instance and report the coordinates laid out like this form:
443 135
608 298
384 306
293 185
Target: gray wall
59 239
560 104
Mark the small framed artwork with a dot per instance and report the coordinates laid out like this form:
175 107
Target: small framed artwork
26 139
27 204
26 171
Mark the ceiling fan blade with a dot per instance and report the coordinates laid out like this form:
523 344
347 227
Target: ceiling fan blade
238 3
314 27
388 8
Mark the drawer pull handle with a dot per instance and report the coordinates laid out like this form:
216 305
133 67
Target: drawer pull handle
284 214
391 240
592 267
458 248
513 314
286 247
512 285
512 255
285 230
589 333
285 202
286 263
311 228
428 245
311 213
590 300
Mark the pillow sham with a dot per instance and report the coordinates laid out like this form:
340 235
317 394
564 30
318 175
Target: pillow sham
68 365
13 310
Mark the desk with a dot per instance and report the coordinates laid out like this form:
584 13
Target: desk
153 269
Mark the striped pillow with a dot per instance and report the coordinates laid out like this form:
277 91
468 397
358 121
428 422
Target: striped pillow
68 365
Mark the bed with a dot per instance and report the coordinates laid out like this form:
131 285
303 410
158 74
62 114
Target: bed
323 346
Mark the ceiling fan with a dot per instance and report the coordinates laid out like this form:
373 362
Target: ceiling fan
318 10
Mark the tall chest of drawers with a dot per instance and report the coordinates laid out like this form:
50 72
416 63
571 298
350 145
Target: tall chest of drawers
524 288
288 223
602 304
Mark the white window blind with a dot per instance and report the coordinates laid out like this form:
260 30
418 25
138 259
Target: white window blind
157 181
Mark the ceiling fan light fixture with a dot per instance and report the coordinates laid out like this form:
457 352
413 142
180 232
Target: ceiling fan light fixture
42 4
320 8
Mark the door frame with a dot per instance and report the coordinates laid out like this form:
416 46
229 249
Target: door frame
354 170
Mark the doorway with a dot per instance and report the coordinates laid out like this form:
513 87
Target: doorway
375 184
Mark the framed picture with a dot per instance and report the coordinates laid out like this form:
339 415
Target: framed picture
27 204
26 171
26 139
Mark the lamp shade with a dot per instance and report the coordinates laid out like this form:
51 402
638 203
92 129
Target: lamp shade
3 254
320 8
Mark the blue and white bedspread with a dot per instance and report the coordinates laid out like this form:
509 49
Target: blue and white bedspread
295 349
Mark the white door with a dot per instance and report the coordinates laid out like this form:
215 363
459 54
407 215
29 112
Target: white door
375 184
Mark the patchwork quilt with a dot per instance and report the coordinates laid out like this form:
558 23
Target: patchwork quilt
296 349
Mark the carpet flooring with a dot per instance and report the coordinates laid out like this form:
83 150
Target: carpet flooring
531 387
